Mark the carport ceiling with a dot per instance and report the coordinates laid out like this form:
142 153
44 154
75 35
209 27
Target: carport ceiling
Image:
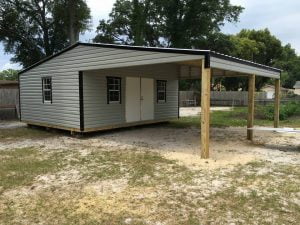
226 68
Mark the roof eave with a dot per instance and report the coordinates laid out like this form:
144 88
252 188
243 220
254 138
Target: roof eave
206 53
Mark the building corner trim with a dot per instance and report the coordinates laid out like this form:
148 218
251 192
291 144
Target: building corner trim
81 103
19 84
207 60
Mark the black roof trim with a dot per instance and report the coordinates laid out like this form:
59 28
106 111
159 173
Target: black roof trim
152 49
206 53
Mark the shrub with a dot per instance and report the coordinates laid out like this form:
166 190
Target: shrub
286 110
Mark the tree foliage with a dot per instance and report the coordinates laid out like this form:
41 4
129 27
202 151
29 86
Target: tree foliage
196 24
262 47
9 74
34 29
75 16
169 23
289 62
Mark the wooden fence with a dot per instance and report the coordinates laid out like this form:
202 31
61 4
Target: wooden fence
219 98
9 103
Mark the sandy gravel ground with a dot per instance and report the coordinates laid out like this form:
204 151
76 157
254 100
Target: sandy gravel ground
215 181
228 145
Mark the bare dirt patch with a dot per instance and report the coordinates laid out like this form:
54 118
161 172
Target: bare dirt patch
228 146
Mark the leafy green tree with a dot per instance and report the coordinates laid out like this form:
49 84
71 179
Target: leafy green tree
218 42
244 48
9 74
131 22
188 23
75 15
34 29
269 48
169 23
290 64
259 46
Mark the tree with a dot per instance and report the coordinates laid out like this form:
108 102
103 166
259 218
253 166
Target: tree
32 29
169 23
289 62
269 48
189 22
259 46
9 74
76 18
219 42
131 22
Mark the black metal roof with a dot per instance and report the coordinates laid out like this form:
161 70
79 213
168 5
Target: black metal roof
206 53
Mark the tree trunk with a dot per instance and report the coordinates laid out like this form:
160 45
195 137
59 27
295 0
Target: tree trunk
73 31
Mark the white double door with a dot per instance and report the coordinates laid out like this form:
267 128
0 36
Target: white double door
139 99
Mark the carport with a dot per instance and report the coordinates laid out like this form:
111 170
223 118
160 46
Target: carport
218 65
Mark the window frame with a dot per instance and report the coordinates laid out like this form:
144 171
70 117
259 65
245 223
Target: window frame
48 89
114 90
160 91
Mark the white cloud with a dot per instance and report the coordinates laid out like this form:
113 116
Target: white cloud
9 65
281 18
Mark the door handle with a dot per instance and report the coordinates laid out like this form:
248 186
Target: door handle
142 98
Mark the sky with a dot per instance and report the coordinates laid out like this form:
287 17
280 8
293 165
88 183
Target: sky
281 17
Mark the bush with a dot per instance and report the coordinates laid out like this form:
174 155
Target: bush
286 110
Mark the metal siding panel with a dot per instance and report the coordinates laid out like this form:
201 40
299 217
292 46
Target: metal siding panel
88 58
98 113
64 110
242 68
64 72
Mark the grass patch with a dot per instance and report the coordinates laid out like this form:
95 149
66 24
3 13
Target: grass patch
140 168
24 133
158 190
19 167
252 197
234 118
267 196
144 171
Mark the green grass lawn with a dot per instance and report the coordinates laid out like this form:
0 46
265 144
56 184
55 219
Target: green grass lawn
11 134
234 118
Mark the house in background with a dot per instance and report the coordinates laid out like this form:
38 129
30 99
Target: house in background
297 88
270 91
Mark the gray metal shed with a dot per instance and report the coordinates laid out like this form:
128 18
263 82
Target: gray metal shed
89 87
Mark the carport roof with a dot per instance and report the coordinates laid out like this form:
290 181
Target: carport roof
206 53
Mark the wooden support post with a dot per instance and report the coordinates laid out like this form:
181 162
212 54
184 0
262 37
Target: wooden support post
251 96
205 110
277 103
